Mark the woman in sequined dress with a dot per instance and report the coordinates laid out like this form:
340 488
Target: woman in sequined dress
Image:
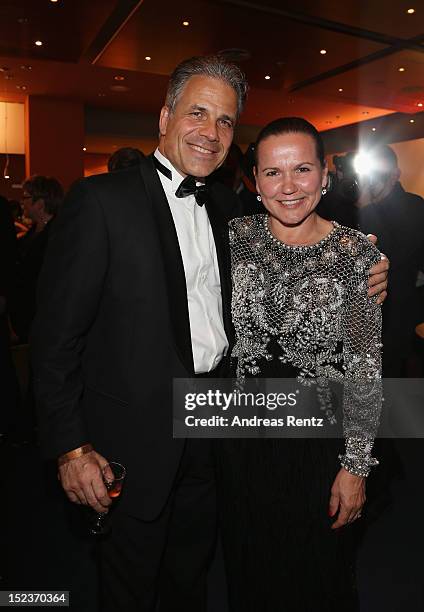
300 309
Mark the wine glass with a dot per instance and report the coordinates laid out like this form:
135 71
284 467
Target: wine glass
113 478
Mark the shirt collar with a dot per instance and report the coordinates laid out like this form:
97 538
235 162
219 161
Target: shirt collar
177 178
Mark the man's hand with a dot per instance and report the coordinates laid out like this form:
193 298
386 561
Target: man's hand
82 481
377 281
347 496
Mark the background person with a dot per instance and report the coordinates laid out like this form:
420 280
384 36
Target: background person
41 199
397 217
126 157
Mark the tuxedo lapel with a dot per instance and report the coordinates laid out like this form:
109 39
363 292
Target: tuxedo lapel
219 224
173 263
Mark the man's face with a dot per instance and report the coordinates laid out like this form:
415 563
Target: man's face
197 135
382 181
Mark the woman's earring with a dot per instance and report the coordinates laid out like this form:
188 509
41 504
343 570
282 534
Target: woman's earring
324 191
258 197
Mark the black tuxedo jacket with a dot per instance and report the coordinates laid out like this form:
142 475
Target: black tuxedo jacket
112 327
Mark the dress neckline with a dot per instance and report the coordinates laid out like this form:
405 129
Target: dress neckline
299 247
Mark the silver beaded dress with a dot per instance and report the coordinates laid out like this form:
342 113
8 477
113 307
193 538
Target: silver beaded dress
304 312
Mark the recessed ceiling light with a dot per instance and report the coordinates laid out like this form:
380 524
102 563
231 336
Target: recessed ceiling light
4 69
26 67
373 129
84 148
8 76
401 69
410 11
23 87
420 104
323 51
186 23
148 58
38 43
53 0
365 112
119 88
118 77
340 89
412 121
267 77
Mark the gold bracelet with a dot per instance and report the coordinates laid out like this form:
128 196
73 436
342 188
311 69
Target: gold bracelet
74 454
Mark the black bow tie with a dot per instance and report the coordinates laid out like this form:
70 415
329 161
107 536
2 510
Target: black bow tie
189 187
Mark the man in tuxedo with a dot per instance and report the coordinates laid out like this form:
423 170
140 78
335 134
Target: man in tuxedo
135 292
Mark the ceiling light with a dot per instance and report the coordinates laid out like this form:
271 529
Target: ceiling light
412 121
267 77
148 58
53 0
38 43
21 87
401 69
186 23
374 129
365 112
4 69
84 148
323 51
118 77
26 67
410 11
340 89
420 104
119 88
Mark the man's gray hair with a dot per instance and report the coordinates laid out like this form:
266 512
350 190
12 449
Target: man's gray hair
214 66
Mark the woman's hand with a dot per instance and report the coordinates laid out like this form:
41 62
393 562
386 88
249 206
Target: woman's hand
347 497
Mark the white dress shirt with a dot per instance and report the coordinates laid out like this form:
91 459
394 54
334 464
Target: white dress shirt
197 245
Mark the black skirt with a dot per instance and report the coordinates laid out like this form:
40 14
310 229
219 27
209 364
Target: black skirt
280 551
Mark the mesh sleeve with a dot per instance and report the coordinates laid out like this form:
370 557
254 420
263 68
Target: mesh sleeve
362 397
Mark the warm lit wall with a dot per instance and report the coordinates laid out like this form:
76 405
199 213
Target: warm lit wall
411 163
95 163
12 128
54 138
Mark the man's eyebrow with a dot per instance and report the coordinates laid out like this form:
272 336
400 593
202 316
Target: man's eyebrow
198 107
228 118
204 109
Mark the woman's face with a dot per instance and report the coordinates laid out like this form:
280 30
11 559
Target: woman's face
289 177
